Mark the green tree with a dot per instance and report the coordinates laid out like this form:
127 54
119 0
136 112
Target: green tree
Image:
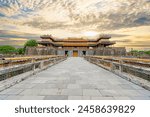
7 49
147 52
30 43
139 53
134 52
20 50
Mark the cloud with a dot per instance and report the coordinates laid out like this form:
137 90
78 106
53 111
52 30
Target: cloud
43 24
124 41
147 37
1 40
15 38
118 35
103 14
16 34
142 20
18 39
139 45
64 18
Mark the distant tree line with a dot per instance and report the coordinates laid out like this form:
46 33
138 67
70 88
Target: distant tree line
139 53
7 49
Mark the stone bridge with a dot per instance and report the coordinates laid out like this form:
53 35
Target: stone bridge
74 79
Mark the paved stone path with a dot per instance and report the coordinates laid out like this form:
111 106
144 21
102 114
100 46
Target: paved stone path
75 79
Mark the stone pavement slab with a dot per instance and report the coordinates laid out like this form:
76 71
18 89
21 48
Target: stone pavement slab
75 79
56 97
91 92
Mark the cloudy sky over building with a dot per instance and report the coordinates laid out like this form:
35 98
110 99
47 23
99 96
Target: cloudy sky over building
127 21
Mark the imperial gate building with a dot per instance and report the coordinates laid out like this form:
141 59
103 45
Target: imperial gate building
77 46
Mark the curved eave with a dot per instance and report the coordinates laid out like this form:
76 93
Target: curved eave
107 43
75 45
103 38
73 40
92 45
44 42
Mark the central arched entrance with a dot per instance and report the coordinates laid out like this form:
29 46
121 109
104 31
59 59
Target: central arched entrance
75 53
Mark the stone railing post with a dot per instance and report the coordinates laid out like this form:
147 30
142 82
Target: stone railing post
121 65
97 60
2 63
102 61
33 62
41 64
89 59
10 63
112 66
55 60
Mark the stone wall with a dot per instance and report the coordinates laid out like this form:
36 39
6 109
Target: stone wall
40 51
103 51
111 51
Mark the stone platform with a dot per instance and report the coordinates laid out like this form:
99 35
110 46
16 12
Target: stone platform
75 79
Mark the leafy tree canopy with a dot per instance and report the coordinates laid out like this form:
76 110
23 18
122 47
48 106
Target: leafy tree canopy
31 43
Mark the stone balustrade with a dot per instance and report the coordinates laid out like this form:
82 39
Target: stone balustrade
23 60
13 70
133 69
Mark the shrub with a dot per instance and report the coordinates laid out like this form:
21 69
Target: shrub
147 52
20 51
7 49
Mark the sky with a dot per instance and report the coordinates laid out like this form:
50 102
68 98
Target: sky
127 21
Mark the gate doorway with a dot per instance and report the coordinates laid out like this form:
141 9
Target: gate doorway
83 53
66 53
75 53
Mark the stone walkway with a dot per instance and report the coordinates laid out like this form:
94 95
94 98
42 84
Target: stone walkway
75 79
